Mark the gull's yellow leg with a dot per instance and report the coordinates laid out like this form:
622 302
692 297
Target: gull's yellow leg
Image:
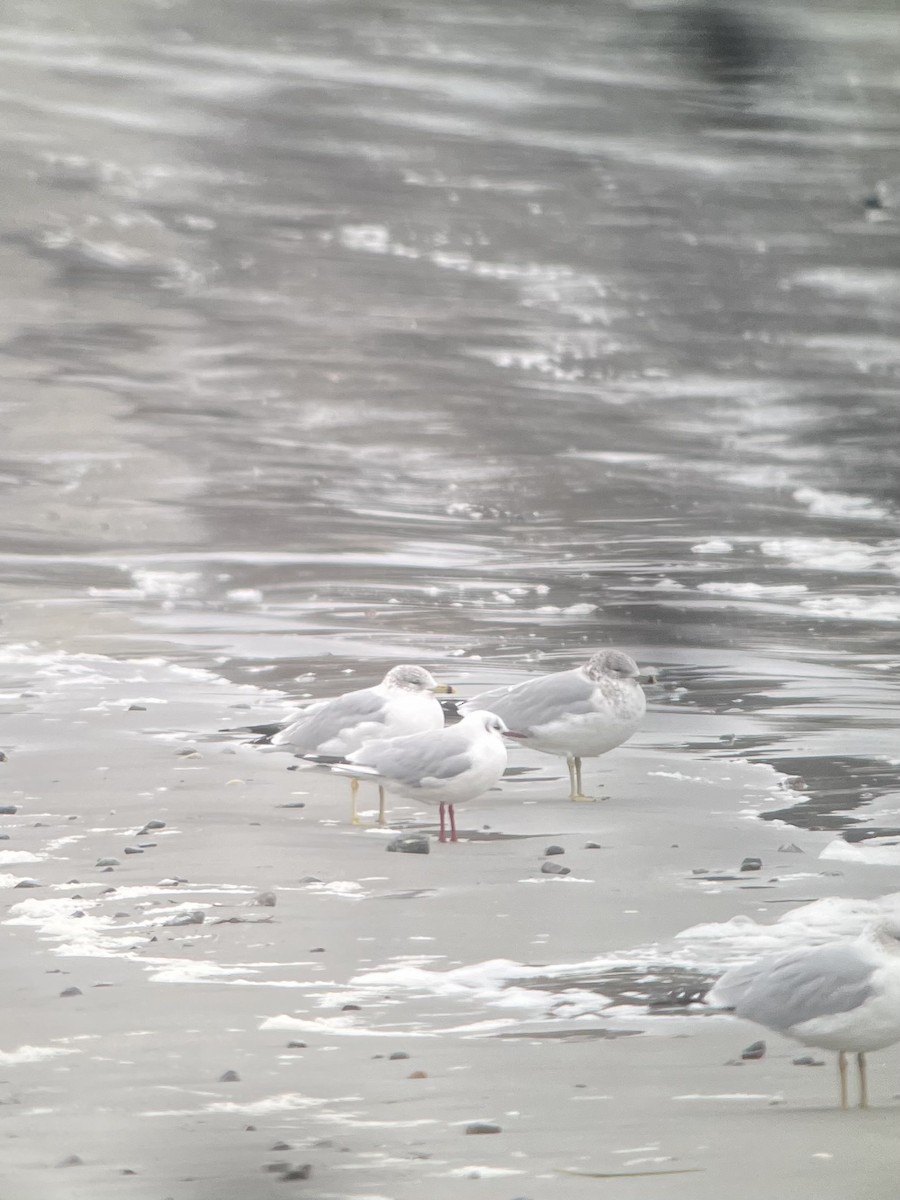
575 792
354 815
381 817
863 1080
842 1072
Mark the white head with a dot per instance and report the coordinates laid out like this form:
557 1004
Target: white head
611 664
410 679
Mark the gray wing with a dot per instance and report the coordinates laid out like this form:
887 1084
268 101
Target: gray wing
784 990
441 754
331 719
536 702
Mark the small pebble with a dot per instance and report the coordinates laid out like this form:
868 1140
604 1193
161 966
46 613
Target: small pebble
280 1147
790 848
194 916
554 850
483 1127
71 1160
317 950
754 1050
551 868
127 1171
296 1045
351 1008
229 1077
266 899
417 1075
29 883
188 752
592 846
133 850
302 1172
108 862
307 879
136 708
396 1055
153 825
807 1060
294 804
751 864
71 991
410 843
8 810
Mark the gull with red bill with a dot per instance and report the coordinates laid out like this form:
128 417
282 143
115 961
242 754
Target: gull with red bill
441 766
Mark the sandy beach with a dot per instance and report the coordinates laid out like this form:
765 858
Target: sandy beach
385 1001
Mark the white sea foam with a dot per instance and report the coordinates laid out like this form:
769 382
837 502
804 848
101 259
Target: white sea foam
713 546
840 505
33 1054
833 554
854 608
744 591
285 1102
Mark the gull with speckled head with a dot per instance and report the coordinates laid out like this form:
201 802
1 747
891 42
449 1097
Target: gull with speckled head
443 766
842 996
575 714
403 703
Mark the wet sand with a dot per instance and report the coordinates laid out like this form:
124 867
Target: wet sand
127 1075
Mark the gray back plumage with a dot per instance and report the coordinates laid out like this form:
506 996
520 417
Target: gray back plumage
538 701
328 721
784 990
441 754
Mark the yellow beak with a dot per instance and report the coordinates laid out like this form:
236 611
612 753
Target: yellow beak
443 689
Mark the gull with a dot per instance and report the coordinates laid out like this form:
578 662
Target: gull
842 996
441 766
403 703
577 714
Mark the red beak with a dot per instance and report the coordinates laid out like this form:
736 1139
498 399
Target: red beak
512 733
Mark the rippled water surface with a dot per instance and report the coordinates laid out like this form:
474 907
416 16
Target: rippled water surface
423 330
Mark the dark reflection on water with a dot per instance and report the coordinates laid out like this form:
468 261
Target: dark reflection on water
342 331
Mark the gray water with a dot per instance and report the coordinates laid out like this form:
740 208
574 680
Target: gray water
337 334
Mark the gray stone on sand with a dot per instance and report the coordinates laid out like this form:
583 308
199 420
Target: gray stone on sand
554 850
483 1127
409 843
29 883
552 868
266 899
108 861
302 1172
71 1160
133 850
397 1054
754 1050
751 864
193 916
9 810
229 1077
71 991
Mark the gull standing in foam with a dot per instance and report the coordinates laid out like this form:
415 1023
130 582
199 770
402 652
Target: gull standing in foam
443 766
842 996
576 714
403 703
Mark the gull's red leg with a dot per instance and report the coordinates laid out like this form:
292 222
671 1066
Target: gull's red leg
453 837
443 836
